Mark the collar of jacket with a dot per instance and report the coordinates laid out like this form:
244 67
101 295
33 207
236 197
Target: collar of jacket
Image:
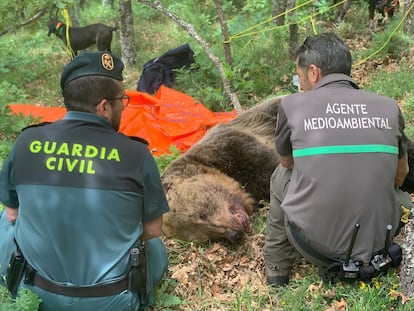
335 77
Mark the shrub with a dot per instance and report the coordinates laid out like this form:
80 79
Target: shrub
26 300
165 159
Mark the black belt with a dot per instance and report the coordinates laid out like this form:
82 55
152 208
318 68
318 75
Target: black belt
33 277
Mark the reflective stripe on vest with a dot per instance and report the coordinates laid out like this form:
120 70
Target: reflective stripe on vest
306 152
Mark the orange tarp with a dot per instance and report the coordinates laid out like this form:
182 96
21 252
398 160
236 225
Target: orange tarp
164 119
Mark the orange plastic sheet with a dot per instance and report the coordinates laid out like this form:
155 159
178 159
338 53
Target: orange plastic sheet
167 118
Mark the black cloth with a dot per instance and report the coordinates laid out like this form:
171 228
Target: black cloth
160 70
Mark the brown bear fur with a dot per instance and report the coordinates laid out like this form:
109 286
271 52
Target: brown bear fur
408 184
212 189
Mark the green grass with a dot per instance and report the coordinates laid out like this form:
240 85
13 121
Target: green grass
164 160
310 294
396 83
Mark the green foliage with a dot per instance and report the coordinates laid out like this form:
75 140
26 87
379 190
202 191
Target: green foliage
94 13
391 41
24 61
399 85
163 300
408 112
25 300
252 7
163 160
11 93
10 127
15 13
396 84
323 8
5 147
259 62
11 124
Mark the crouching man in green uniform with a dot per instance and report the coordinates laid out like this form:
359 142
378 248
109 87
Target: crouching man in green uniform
335 195
84 203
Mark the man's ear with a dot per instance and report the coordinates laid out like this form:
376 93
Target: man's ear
103 109
314 74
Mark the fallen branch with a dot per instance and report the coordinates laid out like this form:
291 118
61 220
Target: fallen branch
190 30
25 23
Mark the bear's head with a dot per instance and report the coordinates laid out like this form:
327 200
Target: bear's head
207 207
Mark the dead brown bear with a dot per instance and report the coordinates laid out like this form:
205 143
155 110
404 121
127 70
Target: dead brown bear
212 189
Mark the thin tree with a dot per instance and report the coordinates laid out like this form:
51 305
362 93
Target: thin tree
127 34
224 32
279 9
74 13
283 13
293 27
409 17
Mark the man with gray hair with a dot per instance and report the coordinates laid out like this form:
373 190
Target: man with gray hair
335 195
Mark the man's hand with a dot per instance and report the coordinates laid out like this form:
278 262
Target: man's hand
11 214
152 229
402 171
286 161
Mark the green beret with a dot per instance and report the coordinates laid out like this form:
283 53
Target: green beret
92 64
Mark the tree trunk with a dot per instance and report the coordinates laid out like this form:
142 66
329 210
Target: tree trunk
227 84
278 10
74 13
341 10
127 34
293 29
224 32
409 21
407 265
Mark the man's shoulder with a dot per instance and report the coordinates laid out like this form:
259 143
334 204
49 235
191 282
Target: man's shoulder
31 126
139 139
295 98
372 94
132 141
